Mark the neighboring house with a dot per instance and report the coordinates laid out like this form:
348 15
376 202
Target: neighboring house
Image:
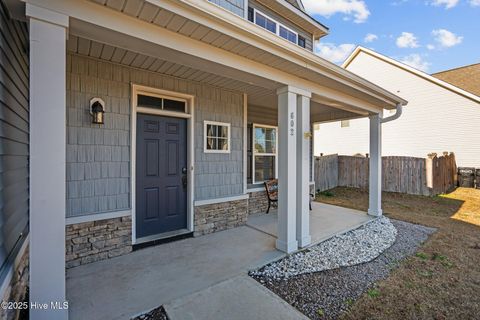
439 116
466 77
153 119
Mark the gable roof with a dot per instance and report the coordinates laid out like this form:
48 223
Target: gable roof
298 4
411 70
465 77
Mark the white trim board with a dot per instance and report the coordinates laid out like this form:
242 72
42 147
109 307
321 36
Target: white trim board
221 200
190 99
97 217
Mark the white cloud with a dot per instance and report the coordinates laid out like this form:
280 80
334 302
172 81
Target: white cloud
430 47
333 52
447 3
445 38
416 61
370 37
475 3
356 8
407 40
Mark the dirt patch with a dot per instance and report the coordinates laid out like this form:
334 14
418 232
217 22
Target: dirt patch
442 281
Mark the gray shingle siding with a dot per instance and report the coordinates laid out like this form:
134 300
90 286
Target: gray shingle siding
14 134
282 20
235 6
219 175
98 157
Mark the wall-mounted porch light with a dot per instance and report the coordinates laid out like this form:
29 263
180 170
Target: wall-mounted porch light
97 110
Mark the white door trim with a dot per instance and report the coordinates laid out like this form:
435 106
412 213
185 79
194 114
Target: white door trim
189 115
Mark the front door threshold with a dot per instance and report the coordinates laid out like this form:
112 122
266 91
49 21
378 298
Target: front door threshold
162 238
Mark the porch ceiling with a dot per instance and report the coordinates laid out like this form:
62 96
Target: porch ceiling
201 21
257 95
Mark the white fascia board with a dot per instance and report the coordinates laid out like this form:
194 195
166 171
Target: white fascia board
241 29
407 68
46 15
276 46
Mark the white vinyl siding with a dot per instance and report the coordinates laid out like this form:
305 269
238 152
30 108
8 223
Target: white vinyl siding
435 119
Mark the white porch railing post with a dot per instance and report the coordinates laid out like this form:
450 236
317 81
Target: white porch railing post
287 156
303 170
48 31
375 176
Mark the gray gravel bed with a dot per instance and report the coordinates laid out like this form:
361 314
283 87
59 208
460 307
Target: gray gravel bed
332 291
354 247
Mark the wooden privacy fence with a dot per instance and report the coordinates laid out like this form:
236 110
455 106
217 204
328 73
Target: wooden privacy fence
326 172
421 176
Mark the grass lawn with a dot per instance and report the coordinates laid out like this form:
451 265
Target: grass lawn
442 280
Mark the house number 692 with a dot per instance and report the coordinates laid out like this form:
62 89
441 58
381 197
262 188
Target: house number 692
292 123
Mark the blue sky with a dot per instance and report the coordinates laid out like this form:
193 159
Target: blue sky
430 35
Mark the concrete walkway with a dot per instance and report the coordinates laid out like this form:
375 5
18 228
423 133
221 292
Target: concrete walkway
326 221
235 299
125 286
197 278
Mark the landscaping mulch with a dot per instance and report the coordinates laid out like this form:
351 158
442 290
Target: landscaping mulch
327 294
156 314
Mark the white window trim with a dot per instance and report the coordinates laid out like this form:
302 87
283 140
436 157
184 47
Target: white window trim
277 25
258 125
224 124
156 93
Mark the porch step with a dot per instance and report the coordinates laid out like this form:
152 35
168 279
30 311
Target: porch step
238 298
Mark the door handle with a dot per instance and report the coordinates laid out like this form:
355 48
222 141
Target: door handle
184 182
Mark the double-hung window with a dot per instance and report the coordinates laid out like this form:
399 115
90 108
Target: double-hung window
264 145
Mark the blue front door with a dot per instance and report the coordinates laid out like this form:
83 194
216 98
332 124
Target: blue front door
161 173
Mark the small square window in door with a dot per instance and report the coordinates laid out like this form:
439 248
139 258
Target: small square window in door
151 126
172 128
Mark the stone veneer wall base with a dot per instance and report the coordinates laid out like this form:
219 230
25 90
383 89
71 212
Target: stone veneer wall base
258 202
97 240
103 239
220 216
17 289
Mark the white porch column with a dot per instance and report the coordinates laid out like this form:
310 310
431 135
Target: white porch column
375 177
48 31
303 169
287 156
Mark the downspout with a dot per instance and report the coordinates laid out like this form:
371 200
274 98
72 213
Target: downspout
395 116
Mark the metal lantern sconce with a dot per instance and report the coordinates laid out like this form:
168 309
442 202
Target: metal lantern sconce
97 110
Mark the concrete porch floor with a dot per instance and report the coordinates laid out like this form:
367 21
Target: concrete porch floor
326 221
135 283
